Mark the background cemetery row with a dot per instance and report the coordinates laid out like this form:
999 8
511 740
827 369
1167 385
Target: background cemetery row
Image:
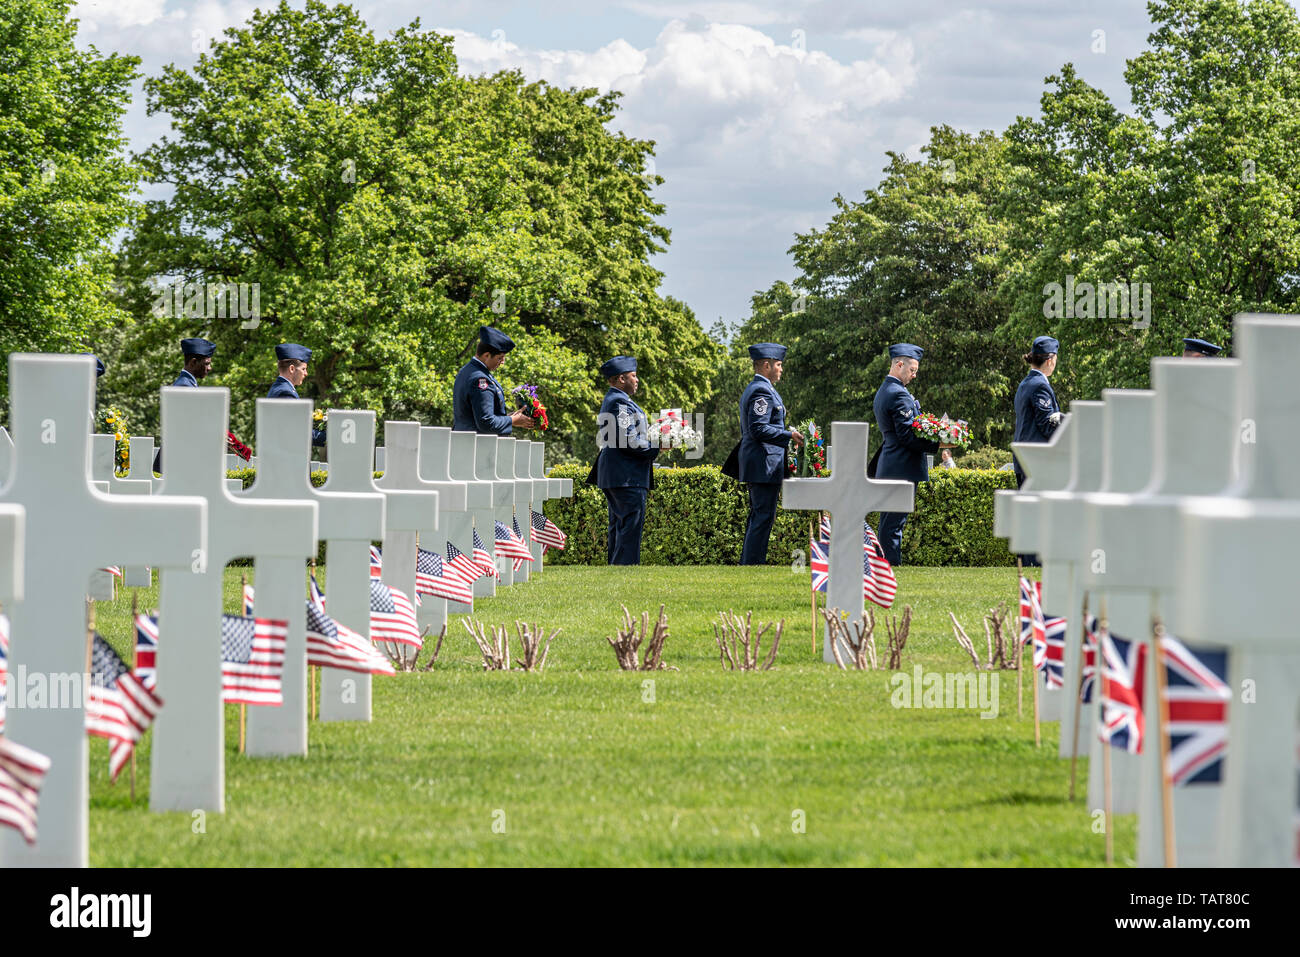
390 207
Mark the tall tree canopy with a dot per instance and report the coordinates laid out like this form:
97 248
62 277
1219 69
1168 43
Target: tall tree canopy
64 183
387 207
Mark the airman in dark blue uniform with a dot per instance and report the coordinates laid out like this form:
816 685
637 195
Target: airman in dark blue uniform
478 401
1037 413
625 461
198 362
764 440
293 359
902 452
1200 349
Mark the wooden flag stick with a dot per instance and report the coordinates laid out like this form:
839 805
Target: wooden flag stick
813 591
1078 694
1166 785
243 708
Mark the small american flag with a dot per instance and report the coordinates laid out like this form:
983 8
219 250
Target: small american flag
460 565
1123 668
1197 693
22 771
484 558
1088 680
820 565
878 582
334 645
252 659
4 666
113 570
392 616
146 650
547 533
118 707
509 545
376 562
431 580
519 536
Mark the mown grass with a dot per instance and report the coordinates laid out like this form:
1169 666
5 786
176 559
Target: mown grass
587 765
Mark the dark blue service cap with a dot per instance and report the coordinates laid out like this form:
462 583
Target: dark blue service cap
905 350
494 339
1201 346
291 350
198 347
1045 346
766 350
99 363
617 366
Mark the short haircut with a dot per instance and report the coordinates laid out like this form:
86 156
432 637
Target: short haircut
488 351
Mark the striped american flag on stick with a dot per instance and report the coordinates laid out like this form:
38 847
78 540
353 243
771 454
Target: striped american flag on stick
118 706
22 771
392 616
547 533
878 582
484 558
331 644
431 578
509 545
252 659
4 665
462 566
519 537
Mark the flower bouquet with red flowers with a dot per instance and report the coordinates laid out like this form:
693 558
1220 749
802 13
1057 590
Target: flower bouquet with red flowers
532 406
809 459
941 429
237 447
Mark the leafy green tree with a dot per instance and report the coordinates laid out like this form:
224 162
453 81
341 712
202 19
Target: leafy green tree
64 181
387 207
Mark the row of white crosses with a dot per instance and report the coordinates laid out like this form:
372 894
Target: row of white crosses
64 515
1183 503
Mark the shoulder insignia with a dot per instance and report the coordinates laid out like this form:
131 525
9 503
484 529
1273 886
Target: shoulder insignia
1044 401
483 383
625 417
760 406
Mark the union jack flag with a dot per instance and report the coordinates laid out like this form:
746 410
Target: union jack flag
1053 651
1031 612
430 579
392 616
146 650
484 558
118 706
331 644
22 771
252 659
509 545
547 533
878 582
824 529
376 562
1088 679
460 565
1123 665
4 666
1197 693
820 564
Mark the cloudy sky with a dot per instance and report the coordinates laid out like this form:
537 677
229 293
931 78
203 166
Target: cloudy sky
761 112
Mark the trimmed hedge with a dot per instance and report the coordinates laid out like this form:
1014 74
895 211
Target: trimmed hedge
696 516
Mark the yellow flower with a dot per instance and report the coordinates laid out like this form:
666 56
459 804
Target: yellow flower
119 436
108 419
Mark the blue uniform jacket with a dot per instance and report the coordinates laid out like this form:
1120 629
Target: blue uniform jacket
763 435
902 456
478 401
1035 403
282 388
187 380
626 453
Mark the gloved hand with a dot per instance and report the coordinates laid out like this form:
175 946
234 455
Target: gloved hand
1055 419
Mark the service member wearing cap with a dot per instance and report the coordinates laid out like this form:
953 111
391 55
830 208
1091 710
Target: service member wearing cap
902 453
624 462
762 451
1037 414
198 362
478 401
293 359
1200 349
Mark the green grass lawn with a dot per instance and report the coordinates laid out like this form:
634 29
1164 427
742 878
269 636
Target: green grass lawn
583 765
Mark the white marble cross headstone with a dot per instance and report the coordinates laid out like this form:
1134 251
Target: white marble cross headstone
402 442
142 461
504 465
352 515
71 530
1236 574
503 496
13 525
6 455
103 469
527 494
552 488
849 496
478 504
188 758
284 447
435 460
